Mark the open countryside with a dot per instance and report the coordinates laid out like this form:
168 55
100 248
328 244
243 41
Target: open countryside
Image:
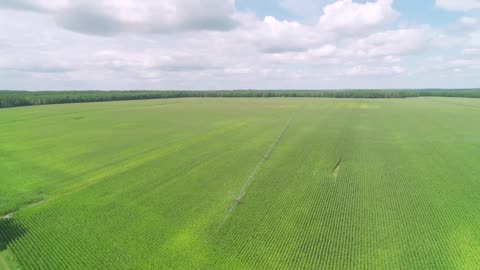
244 183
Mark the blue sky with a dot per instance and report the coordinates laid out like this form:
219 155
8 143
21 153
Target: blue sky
227 44
425 12
414 11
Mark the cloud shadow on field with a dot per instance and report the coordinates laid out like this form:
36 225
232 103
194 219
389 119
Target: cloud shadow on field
9 232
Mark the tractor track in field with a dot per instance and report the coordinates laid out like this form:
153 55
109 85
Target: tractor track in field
243 191
30 205
336 169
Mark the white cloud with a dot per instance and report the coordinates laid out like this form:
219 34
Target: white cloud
113 16
37 64
348 16
471 31
469 21
340 20
39 50
363 70
36 5
394 42
325 54
472 51
385 47
238 70
458 5
475 38
274 36
391 59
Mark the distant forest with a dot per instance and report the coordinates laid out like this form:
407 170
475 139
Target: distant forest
27 98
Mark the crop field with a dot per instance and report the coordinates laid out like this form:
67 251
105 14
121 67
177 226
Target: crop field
245 183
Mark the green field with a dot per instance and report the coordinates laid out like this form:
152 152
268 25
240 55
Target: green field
217 183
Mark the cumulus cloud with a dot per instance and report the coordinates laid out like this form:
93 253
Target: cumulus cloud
35 67
339 20
348 16
458 5
363 70
469 21
472 51
472 48
387 47
274 36
35 5
183 63
475 38
113 16
394 42
211 45
326 54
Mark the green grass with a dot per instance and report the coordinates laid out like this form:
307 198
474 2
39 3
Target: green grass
7 261
345 184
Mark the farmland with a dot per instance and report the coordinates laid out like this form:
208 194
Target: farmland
244 183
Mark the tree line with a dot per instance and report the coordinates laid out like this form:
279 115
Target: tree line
28 98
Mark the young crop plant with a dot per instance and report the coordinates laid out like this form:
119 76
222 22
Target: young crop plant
278 183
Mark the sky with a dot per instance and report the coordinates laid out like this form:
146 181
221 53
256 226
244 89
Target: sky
238 44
